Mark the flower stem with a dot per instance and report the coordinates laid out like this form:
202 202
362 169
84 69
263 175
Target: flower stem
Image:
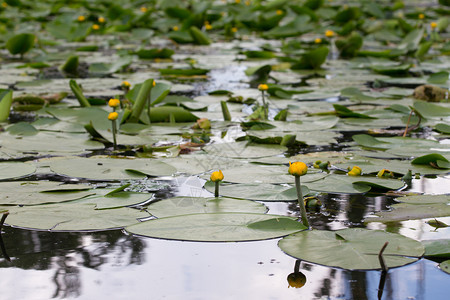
114 132
266 110
216 191
300 201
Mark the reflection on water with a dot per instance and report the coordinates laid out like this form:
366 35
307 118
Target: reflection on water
116 266
111 264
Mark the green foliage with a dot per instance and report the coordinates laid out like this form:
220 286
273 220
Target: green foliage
21 43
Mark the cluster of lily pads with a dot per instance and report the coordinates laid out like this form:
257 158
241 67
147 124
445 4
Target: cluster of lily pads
358 92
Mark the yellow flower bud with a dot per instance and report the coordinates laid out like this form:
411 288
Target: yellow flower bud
298 168
279 12
296 280
356 171
329 33
237 1
318 40
433 25
385 173
113 116
208 26
247 2
421 16
114 102
101 20
263 87
234 29
81 18
143 9
175 28
126 84
4 4
154 83
216 176
95 27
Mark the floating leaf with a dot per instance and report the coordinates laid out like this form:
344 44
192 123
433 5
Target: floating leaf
434 159
443 128
244 150
352 248
353 184
260 192
194 205
72 217
437 248
10 170
445 266
217 227
111 168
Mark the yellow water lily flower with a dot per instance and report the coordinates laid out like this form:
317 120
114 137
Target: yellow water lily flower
125 84
263 87
318 40
421 16
113 116
208 26
355 171
433 25
143 9
175 28
298 168
279 12
95 27
329 33
216 176
234 29
101 20
81 18
114 102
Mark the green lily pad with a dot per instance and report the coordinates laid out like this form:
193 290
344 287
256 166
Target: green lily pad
406 211
10 170
434 159
437 248
244 150
443 128
72 217
59 141
40 192
445 266
218 227
21 43
257 174
353 184
193 205
111 168
117 199
261 192
352 248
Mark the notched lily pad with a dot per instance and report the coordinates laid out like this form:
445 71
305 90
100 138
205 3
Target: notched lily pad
217 227
72 217
194 205
111 168
352 248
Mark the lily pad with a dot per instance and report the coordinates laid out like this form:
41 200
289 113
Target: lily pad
352 248
445 266
10 170
117 199
437 248
40 192
244 150
261 192
218 227
111 168
194 205
72 217
353 184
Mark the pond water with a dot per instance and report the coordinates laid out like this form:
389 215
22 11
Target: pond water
116 265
